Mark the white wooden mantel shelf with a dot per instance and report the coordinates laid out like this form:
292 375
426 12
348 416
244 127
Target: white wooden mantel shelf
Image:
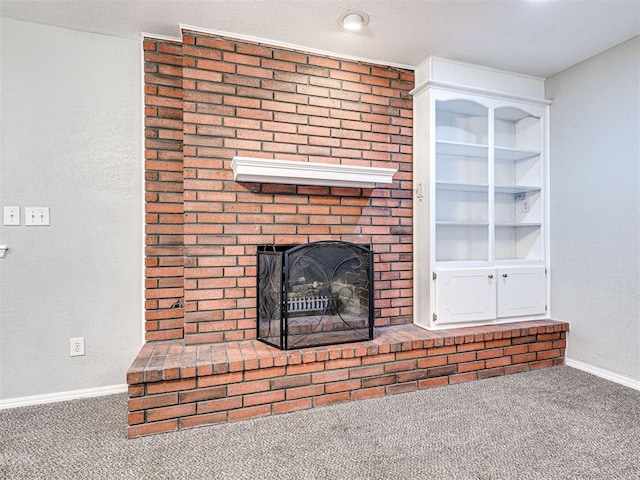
269 170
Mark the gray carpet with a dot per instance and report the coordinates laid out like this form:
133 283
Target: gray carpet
558 423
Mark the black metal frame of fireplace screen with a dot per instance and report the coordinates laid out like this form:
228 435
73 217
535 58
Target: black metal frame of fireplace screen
319 293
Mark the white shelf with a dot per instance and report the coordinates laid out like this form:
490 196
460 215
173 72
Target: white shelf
461 149
515 189
462 187
505 154
462 224
513 224
269 170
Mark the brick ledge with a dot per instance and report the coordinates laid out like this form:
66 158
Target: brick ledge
174 386
172 360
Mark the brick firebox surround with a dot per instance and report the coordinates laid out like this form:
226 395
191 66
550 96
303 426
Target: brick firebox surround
209 98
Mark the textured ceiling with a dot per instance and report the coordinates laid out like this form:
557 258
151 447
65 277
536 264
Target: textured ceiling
538 37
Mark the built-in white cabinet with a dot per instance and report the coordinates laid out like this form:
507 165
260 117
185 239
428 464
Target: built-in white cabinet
480 205
521 291
471 295
465 295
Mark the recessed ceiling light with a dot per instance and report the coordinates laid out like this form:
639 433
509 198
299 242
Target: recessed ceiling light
353 20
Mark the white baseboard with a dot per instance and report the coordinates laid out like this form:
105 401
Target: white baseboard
61 396
109 390
606 374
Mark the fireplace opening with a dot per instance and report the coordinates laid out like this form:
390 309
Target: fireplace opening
319 293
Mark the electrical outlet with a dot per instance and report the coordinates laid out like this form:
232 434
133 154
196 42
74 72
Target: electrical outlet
38 216
526 205
76 346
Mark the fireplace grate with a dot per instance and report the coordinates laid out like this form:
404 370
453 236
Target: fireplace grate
308 304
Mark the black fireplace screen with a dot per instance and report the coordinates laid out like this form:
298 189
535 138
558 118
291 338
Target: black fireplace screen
315 294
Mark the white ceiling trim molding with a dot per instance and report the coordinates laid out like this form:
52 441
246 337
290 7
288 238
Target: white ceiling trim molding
156 36
269 170
291 46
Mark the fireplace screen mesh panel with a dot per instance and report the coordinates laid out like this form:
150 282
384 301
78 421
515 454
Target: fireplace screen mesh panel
315 294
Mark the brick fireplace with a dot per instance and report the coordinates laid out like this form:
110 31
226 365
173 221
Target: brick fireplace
209 99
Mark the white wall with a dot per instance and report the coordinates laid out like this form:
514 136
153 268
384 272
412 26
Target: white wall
70 140
595 209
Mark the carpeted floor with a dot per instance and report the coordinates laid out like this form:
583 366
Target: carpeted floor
558 423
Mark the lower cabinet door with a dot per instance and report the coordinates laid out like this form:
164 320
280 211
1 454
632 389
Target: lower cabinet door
521 291
466 295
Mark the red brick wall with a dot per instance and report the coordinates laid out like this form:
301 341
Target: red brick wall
164 262
241 98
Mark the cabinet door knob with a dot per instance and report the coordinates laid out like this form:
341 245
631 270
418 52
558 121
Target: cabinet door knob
504 275
490 276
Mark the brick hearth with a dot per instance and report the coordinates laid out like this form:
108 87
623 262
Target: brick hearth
174 386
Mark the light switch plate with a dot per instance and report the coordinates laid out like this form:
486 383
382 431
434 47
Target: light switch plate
38 216
11 215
